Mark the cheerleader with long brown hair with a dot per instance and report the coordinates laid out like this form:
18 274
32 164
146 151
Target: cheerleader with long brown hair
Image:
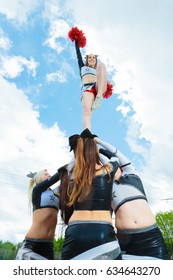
88 194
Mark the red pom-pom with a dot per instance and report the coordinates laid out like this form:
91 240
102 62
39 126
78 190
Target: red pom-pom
109 91
77 35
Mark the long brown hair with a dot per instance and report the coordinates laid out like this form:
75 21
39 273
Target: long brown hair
66 211
86 158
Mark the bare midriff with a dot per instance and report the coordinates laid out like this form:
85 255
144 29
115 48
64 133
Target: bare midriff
86 79
133 215
44 224
94 215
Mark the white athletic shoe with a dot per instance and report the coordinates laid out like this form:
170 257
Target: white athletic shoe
97 102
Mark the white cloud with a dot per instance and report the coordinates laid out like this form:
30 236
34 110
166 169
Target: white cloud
13 66
61 75
25 145
57 46
58 29
5 42
18 10
58 77
54 14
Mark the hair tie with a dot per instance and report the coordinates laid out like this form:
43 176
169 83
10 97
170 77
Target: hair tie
31 175
86 56
74 138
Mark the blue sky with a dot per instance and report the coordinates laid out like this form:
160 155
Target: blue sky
40 103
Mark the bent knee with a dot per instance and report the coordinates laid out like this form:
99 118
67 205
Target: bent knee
101 66
87 111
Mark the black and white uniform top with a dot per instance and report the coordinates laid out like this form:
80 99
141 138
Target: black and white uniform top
129 187
45 197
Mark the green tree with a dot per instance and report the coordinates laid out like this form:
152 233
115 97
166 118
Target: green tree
165 223
7 250
58 243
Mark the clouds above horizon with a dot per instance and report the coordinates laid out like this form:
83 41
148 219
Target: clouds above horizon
26 145
134 40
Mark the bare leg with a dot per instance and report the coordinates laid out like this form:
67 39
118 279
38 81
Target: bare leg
87 101
101 79
101 84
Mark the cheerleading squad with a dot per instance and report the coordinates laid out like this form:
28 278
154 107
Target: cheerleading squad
96 183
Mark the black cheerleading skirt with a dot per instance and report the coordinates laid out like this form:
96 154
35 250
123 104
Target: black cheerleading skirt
90 240
36 249
143 242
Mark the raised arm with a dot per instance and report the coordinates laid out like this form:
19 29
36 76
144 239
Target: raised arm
125 164
109 153
44 185
79 56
